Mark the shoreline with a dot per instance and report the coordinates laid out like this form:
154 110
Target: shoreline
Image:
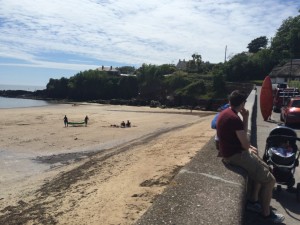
63 148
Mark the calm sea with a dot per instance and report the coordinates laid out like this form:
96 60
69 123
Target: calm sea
6 103
21 87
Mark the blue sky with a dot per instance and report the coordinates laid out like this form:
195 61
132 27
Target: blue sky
42 39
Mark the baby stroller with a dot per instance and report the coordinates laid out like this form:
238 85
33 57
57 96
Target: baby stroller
282 155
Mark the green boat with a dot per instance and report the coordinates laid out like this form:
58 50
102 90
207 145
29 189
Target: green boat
76 123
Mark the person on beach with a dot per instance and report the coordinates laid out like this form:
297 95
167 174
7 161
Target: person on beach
235 149
86 120
66 121
123 124
128 124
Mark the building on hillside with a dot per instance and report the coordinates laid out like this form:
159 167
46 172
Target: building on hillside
185 66
181 65
110 70
287 72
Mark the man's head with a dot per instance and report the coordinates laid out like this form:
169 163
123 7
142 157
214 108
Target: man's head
236 98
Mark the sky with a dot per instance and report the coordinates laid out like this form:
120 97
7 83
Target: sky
42 39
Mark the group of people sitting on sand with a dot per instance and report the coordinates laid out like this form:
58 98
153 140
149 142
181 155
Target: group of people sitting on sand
128 124
123 124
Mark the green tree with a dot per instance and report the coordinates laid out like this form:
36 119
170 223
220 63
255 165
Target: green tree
237 68
126 69
286 43
166 69
194 65
150 82
219 84
57 88
257 44
194 89
263 61
176 81
128 87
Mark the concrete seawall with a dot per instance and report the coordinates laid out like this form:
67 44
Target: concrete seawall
205 191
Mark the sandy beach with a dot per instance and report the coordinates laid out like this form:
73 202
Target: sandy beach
99 174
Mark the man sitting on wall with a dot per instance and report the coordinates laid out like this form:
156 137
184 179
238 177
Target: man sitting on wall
235 149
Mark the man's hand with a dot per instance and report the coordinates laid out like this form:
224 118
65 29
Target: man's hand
253 150
245 113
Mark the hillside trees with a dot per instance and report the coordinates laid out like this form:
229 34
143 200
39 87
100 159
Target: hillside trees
150 79
238 68
218 82
194 65
286 43
126 69
176 81
199 79
257 44
93 85
261 60
57 88
128 87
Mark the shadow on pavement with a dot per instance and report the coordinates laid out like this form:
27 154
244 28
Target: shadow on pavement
255 219
288 201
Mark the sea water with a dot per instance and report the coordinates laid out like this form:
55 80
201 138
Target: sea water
21 87
6 103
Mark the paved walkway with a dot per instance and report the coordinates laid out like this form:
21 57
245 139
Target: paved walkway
284 202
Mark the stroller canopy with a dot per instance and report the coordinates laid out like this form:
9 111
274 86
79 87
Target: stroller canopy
280 133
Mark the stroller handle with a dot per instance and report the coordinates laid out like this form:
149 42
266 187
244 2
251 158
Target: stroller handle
272 137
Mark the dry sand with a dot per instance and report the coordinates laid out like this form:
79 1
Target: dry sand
99 174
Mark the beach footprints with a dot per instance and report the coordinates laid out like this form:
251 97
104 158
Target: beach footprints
163 180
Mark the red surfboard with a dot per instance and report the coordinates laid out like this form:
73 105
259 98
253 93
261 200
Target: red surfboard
266 98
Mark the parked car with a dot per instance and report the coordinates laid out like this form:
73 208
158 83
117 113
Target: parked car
290 114
281 97
282 85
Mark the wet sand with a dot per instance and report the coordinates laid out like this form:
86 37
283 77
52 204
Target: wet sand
99 174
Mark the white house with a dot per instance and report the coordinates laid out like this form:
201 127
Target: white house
287 72
109 69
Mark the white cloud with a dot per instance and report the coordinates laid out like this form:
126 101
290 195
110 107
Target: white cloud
134 31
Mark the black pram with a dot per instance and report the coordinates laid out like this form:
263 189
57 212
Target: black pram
282 155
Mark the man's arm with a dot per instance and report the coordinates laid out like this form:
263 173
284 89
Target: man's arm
242 136
245 114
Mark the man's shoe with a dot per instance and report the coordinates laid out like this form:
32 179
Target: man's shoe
254 207
274 217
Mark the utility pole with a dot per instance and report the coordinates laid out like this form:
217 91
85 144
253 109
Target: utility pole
225 54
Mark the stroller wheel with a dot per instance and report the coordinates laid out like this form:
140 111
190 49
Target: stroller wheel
298 192
291 183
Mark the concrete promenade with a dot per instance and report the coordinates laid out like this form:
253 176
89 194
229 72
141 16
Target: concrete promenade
206 192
